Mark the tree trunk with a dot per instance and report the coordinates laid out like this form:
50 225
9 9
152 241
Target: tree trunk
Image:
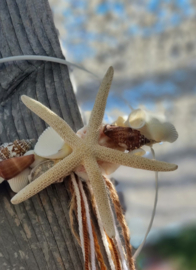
35 234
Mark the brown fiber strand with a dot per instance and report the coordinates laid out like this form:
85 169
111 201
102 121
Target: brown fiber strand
73 207
116 257
98 250
122 221
85 233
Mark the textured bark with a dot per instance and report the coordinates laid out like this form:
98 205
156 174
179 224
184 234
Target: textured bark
35 234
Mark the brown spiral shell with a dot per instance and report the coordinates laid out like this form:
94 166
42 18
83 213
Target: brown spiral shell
126 137
15 149
13 166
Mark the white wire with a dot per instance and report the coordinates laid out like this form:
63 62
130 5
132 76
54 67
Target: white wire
43 58
153 211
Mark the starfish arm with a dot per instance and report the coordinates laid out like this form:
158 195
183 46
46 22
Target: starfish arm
100 193
99 107
115 156
61 169
53 120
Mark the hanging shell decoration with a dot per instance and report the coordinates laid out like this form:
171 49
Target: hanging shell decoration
153 127
15 149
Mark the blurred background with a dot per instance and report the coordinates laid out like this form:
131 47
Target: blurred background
152 46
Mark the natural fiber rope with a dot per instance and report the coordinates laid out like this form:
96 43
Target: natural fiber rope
73 207
103 234
85 235
98 250
122 221
115 253
89 227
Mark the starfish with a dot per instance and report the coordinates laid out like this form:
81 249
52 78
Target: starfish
86 151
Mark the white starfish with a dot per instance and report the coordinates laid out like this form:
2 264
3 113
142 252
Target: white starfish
86 152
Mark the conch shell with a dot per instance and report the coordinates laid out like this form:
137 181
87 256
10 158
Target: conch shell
15 149
50 145
125 137
153 127
11 167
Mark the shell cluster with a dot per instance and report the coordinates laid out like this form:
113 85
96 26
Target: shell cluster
153 127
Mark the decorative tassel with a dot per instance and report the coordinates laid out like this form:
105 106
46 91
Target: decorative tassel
98 250
115 252
85 235
103 234
92 245
122 221
79 212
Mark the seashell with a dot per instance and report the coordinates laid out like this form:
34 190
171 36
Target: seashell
51 145
152 126
125 137
11 167
15 149
120 121
19 181
41 168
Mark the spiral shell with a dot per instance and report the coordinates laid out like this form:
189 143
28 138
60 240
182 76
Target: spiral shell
41 168
11 167
19 181
15 149
126 137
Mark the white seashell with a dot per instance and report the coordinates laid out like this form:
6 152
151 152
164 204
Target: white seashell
20 181
153 127
51 145
120 121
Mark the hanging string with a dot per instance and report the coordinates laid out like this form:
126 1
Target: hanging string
92 244
153 211
79 211
122 221
71 216
98 250
103 235
85 235
120 249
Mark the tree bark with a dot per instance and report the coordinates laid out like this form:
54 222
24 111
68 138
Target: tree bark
35 234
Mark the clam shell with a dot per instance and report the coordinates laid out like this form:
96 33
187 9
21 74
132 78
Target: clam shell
125 137
51 145
153 127
11 167
15 149
19 181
